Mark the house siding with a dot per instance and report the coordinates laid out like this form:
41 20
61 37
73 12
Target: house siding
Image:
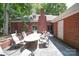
67 29
71 30
66 26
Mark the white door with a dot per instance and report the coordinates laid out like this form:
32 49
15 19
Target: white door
60 29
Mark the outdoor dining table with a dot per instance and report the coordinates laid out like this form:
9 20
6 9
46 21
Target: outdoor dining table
32 37
32 41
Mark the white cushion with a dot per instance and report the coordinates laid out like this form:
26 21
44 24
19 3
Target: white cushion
25 53
15 38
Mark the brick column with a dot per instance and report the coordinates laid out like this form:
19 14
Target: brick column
42 24
30 27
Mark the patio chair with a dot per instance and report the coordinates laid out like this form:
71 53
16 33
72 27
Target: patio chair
26 52
16 39
18 43
44 40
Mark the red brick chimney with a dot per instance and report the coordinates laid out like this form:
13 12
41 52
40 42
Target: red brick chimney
42 24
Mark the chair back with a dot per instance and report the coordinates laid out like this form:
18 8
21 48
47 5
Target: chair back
24 34
15 38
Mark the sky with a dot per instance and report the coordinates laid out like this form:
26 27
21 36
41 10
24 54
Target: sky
69 4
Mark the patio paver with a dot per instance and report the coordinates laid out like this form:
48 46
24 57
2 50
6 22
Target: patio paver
56 48
50 51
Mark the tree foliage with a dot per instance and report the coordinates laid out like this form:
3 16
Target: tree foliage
51 8
1 16
37 7
55 8
19 10
13 10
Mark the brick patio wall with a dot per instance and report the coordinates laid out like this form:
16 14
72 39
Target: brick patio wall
5 43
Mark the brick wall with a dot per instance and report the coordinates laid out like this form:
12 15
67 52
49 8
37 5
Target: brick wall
19 26
71 30
55 27
30 27
16 26
41 24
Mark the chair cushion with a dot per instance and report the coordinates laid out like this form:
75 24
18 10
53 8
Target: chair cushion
26 52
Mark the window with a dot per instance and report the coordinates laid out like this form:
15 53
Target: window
34 16
34 28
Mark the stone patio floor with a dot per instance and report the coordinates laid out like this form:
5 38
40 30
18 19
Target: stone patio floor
56 48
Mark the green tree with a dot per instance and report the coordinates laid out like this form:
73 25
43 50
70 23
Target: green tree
37 7
1 17
6 18
19 10
12 11
54 8
50 8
